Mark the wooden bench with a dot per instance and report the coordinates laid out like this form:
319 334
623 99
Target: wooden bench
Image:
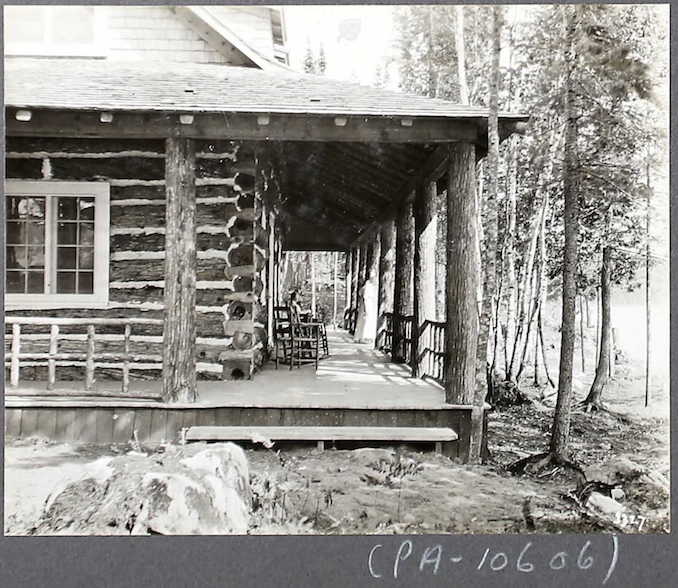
437 435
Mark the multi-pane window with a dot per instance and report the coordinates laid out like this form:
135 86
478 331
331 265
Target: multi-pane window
56 240
53 30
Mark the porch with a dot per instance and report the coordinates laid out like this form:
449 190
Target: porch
356 386
203 190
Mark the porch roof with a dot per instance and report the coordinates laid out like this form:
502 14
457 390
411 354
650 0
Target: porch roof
78 84
349 154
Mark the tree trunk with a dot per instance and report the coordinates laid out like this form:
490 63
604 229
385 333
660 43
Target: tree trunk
335 287
462 276
461 54
581 334
603 367
560 433
386 270
490 216
402 297
648 215
424 272
178 370
366 327
313 300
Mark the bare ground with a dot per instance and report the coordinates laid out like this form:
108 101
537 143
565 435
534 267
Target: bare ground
363 491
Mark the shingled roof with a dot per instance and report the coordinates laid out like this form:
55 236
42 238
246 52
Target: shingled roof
78 84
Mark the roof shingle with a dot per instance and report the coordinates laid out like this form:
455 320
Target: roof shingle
75 84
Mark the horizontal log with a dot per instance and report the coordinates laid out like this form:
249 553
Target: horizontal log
35 320
282 127
214 168
199 366
83 146
120 357
23 169
138 192
113 338
142 168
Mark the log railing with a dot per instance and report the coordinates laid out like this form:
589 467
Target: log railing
90 359
432 337
386 335
432 345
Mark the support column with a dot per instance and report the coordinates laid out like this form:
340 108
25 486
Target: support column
355 286
402 295
366 328
424 272
463 275
349 285
386 271
441 248
178 373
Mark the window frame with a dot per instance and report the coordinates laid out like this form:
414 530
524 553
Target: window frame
100 191
47 48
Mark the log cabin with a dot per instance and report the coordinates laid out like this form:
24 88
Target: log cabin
153 182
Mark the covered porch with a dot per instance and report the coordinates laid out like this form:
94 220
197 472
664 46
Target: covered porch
357 386
311 164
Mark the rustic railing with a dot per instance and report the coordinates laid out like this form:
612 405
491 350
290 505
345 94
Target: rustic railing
124 360
386 333
432 339
431 344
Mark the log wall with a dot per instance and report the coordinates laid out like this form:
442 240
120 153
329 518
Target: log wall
226 216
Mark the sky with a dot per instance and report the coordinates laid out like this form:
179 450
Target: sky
356 39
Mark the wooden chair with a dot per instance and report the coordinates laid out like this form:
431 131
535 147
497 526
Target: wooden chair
295 342
320 321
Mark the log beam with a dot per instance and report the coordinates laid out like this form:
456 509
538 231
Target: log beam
179 374
463 275
374 128
424 271
386 271
402 295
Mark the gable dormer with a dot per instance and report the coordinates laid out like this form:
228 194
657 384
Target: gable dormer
251 36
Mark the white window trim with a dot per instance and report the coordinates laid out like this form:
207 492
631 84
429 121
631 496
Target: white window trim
99 48
101 193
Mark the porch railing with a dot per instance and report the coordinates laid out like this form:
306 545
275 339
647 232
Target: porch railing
53 358
431 345
432 339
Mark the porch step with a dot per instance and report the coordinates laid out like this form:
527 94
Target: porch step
436 435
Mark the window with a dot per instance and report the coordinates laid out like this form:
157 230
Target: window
56 243
54 30
278 32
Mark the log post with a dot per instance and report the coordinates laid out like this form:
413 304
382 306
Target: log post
366 329
463 274
51 362
125 365
16 349
354 286
424 303
402 294
89 364
386 269
179 376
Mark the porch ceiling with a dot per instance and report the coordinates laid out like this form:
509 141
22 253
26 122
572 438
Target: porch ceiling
334 191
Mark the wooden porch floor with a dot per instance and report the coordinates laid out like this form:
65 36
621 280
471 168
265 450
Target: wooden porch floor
354 387
354 376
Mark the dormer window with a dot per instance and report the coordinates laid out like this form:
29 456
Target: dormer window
63 31
278 32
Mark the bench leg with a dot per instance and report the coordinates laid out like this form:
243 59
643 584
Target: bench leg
321 445
439 447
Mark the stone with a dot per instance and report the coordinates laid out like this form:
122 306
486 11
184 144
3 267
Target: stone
191 490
